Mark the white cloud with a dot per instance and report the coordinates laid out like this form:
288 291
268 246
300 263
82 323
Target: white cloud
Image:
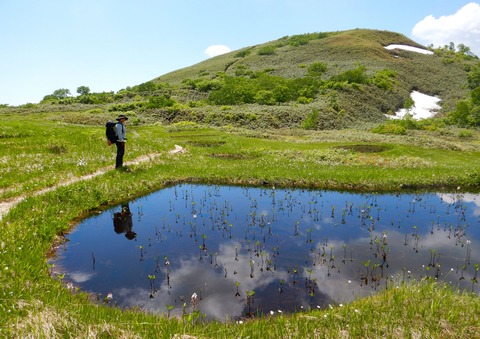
216 50
463 27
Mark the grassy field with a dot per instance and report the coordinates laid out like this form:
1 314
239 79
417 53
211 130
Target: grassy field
43 150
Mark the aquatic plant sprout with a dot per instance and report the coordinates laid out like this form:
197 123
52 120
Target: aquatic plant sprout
232 252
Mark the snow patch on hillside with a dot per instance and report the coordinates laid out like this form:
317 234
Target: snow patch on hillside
409 48
425 106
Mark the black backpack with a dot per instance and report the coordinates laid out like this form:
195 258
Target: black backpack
110 132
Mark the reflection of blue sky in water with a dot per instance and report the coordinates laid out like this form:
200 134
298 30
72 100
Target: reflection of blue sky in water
294 248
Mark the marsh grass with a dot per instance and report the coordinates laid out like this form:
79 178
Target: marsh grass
39 153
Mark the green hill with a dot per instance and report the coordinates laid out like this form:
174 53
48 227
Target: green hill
314 81
341 99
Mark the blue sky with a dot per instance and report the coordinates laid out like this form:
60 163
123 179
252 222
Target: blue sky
108 45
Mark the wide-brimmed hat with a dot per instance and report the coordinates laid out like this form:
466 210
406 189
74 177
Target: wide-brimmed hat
121 116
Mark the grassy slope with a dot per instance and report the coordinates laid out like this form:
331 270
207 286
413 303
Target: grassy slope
341 51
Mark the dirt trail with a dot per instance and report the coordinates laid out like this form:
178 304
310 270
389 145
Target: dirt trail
6 206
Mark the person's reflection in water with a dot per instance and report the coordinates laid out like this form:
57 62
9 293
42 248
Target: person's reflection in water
122 222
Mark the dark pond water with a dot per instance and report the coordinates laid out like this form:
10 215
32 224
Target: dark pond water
252 250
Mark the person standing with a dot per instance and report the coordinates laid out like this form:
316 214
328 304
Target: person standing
121 132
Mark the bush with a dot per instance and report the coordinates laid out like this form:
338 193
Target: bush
311 120
146 87
474 77
317 69
303 39
353 76
266 50
465 134
262 88
304 100
100 98
160 102
95 111
384 79
129 106
242 54
207 85
408 124
460 115
264 97
390 128
282 93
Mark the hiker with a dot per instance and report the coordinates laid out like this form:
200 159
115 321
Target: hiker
122 222
121 132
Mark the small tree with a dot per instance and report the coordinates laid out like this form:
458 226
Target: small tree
460 115
61 93
83 90
474 77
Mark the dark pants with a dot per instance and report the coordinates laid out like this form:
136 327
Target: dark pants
120 153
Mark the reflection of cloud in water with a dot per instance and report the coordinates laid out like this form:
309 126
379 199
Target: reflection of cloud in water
342 283
80 277
217 293
327 221
452 198
338 280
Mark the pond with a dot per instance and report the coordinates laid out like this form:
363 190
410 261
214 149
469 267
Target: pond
230 252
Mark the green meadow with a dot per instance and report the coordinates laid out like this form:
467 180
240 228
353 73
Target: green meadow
44 156
302 111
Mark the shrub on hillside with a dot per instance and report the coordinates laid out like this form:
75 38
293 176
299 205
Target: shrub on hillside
129 106
146 87
465 114
311 120
353 76
266 50
282 93
160 101
242 53
262 88
265 97
303 39
317 69
465 134
384 79
303 100
389 128
474 77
